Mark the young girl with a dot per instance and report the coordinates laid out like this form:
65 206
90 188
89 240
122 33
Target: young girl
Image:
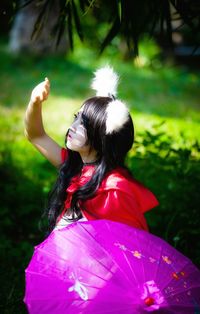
93 182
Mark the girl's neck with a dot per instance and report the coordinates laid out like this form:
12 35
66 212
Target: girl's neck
89 158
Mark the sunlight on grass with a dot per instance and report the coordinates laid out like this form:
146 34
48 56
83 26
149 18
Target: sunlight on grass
174 127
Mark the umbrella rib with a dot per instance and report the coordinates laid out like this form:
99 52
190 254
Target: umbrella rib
107 253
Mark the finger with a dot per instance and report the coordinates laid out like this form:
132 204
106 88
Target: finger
44 95
36 98
46 86
47 81
46 89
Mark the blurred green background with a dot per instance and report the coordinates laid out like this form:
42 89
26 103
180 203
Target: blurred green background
164 100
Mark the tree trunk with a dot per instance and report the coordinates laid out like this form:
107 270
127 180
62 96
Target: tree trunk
42 44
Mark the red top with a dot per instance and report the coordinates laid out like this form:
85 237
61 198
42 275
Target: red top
119 197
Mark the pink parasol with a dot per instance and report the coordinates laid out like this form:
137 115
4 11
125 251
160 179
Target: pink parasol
107 267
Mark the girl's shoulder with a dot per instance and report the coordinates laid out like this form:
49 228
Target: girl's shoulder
118 178
121 181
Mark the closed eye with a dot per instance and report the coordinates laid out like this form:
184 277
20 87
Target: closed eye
76 116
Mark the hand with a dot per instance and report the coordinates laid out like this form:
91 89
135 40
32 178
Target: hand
41 92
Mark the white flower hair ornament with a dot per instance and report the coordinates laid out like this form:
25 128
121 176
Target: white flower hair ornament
105 84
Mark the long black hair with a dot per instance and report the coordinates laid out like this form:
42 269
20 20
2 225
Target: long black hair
111 152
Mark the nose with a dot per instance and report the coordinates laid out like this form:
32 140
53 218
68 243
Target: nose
73 126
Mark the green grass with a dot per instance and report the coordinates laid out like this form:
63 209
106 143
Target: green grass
164 102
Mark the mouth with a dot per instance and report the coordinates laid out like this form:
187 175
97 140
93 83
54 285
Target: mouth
69 136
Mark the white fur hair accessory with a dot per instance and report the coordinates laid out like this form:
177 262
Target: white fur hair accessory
105 83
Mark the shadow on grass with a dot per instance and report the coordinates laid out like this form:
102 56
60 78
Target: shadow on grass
22 202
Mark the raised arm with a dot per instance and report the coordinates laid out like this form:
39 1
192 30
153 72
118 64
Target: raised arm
34 128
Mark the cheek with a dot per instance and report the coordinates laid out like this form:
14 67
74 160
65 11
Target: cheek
79 139
81 135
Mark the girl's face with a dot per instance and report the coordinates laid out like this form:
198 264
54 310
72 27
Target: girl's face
77 140
77 135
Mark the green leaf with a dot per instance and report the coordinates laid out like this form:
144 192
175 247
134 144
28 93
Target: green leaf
111 34
77 21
